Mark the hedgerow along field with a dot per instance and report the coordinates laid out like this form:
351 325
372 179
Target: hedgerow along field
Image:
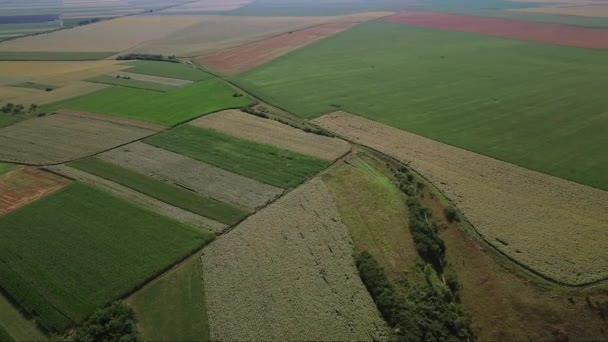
168 193
166 109
131 83
265 163
170 70
84 249
515 103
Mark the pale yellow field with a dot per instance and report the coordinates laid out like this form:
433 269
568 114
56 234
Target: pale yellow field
9 93
45 97
208 5
220 32
107 36
581 11
55 73
555 227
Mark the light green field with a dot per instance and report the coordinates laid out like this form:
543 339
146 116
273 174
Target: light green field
15 325
168 193
534 105
4 168
53 56
265 163
166 109
172 308
131 83
80 248
170 70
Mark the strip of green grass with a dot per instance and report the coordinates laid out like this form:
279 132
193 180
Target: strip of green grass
4 168
170 70
4 335
33 85
80 248
173 307
265 163
131 83
16 325
53 56
166 109
531 104
181 198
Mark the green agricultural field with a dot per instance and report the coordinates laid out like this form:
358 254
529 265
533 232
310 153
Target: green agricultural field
80 248
168 193
170 70
166 109
4 168
173 307
131 83
515 102
265 163
53 56
16 325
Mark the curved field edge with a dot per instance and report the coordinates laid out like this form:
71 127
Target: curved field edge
504 210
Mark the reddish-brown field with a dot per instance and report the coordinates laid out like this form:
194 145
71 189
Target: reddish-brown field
248 56
539 32
24 185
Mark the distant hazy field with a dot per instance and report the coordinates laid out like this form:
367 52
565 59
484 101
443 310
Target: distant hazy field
508 99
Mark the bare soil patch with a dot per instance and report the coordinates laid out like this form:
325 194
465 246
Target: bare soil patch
523 30
63 137
555 227
24 185
154 79
248 56
266 131
287 273
194 175
140 199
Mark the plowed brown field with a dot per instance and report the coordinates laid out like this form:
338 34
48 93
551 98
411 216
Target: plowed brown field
557 228
523 30
270 132
24 185
248 56
287 273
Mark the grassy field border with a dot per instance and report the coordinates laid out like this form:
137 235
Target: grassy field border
131 83
53 56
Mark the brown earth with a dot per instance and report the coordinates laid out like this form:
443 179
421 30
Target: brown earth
524 30
195 175
287 273
248 56
270 132
24 185
557 228
140 199
61 137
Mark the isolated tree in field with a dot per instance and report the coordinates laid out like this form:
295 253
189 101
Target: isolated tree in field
33 108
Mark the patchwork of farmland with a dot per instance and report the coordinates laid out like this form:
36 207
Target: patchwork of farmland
24 185
498 106
123 245
289 269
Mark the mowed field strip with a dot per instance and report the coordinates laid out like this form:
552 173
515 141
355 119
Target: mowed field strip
289 268
63 137
241 58
23 185
515 103
555 227
192 174
270 132
122 244
524 30
265 163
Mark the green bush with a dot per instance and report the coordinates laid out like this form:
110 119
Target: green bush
115 322
451 214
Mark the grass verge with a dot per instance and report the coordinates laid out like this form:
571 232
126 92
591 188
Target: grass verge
131 83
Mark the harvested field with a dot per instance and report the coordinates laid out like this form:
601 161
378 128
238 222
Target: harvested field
53 55
523 30
241 58
57 73
206 6
103 36
140 199
599 10
74 89
555 227
192 174
270 132
8 93
173 82
287 273
62 137
215 33
24 185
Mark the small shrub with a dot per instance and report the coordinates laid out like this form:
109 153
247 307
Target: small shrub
115 322
451 214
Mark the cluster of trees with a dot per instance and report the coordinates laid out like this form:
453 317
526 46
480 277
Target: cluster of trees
88 21
17 108
264 113
115 322
415 313
148 57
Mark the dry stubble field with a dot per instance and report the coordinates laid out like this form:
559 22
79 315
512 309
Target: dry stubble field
66 136
24 185
555 227
287 273
208 180
270 132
